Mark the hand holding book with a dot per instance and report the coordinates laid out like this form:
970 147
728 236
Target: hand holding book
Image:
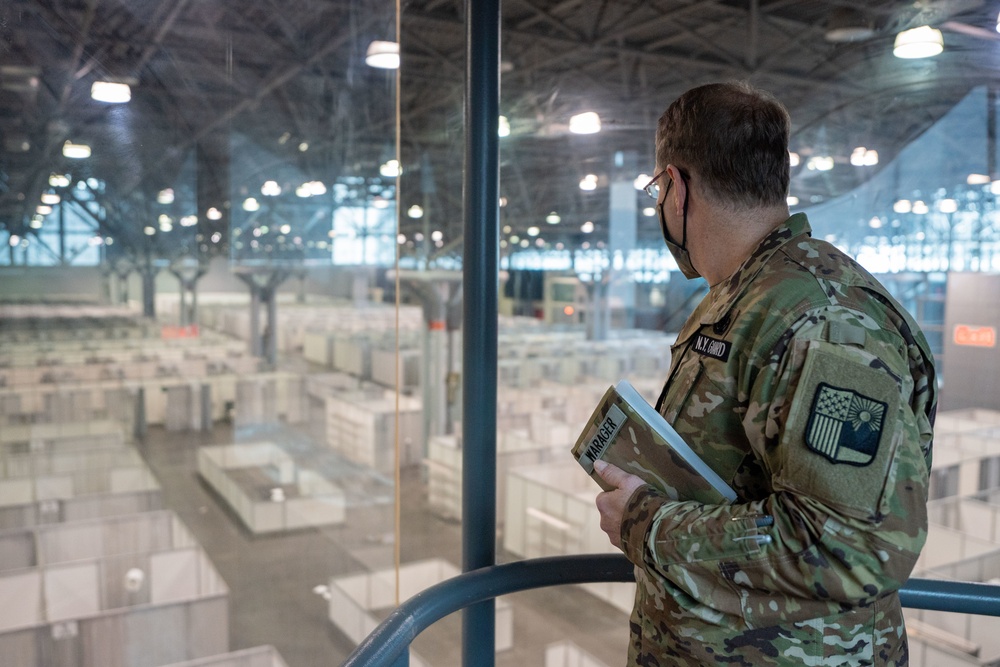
627 432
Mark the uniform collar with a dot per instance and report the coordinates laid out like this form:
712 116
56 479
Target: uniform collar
720 299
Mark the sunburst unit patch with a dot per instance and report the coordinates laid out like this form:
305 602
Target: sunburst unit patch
844 426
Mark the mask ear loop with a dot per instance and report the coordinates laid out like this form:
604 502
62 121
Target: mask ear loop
684 228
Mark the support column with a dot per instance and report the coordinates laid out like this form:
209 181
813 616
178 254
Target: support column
622 225
148 273
256 344
188 272
271 340
263 285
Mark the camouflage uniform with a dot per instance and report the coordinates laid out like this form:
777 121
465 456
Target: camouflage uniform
811 391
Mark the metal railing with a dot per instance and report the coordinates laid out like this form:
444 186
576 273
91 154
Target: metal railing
388 644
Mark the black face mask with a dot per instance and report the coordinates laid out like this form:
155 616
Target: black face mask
679 251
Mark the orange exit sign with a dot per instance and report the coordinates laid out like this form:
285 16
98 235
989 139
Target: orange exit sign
975 336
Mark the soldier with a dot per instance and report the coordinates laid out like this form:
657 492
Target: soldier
805 386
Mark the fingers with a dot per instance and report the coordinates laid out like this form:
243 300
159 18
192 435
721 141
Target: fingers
611 474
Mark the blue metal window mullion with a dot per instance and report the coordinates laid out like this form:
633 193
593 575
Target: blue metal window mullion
479 328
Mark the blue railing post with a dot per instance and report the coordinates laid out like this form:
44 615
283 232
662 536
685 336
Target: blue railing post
479 328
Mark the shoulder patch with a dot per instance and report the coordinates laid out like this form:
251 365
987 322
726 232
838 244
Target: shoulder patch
844 426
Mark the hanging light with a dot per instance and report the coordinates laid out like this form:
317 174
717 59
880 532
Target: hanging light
792 200
820 163
553 218
165 196
864 157
390 169
977 179
503 129
43 209
382 55
793 159
902 206
213 214
947 205
251 204
110 92
50 198
587 227
270 189
588 183
922 42
58 180
76 151
415 211
587 122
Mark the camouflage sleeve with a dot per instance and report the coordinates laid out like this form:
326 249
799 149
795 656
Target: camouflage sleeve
830 417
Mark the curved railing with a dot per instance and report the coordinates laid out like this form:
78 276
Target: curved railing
387 645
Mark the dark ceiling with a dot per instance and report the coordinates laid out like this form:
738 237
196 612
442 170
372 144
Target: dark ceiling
229 94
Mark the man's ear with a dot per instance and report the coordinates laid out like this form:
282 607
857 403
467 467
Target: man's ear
678 192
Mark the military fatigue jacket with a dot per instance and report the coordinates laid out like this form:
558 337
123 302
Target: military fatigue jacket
809 389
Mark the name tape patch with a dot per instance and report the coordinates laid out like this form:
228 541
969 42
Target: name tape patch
844 426
712 347
603 437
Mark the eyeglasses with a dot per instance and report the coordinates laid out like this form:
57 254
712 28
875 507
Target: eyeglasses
653 187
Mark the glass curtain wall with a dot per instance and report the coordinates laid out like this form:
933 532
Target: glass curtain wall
231 300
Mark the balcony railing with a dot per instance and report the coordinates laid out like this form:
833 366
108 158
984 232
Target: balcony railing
388 644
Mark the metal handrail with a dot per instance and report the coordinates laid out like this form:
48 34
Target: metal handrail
387 645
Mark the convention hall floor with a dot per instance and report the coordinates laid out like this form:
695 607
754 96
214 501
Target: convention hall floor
271 578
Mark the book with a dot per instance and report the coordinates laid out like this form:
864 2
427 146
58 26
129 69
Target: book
628 432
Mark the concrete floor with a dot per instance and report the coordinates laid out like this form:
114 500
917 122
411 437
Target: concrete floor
271 577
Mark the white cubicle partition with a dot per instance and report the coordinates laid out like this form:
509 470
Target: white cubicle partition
259 656
550 511
264 487
356 600
131 590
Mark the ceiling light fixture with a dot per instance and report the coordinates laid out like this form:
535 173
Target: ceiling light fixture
270 189
165 196
382 55
902 206
503 129
76 151
793 159
50 198
922 42
213 214
977 179
947 205
110 92
251 204
43 209
58 180
415 212
587 122
553 218
864 157
588 183
820 163
390 169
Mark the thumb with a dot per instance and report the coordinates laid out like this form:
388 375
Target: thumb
610 473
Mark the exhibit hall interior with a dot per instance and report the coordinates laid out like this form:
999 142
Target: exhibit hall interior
235 248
